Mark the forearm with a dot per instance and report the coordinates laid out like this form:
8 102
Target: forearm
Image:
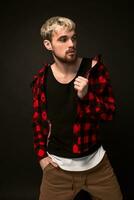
105 105
40 131
39 140
100 96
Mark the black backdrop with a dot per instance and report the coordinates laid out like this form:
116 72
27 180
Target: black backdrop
104 27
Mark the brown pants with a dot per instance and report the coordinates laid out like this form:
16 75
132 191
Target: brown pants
99 181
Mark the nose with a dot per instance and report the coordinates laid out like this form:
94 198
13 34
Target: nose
71 43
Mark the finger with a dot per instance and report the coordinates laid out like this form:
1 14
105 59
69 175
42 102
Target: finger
77 82
49 159
81 82
82 78
53 163
77 87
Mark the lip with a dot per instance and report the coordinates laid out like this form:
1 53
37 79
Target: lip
71 52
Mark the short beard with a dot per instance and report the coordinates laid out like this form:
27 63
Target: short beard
65 60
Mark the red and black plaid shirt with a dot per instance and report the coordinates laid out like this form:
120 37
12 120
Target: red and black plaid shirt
96 106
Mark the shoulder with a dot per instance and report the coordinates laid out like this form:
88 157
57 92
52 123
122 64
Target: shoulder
96 59
40 72
98 68
98 62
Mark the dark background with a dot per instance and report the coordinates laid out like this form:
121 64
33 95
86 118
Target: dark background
103 27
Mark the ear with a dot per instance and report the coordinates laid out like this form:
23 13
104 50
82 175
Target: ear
47 44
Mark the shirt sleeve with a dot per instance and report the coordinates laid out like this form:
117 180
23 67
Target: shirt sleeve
100 93
105 100
40 128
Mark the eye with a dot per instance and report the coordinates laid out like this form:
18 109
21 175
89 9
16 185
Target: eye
74 37
63 39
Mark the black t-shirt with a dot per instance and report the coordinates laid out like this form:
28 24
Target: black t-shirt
61 109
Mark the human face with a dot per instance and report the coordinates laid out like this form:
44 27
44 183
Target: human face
63 45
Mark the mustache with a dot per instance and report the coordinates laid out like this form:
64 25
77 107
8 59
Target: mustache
71 50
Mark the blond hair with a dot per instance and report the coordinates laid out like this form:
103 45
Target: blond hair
51 24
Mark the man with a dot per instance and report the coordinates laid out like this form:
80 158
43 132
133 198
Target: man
71 97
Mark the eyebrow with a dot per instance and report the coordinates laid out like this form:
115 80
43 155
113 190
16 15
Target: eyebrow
65 36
